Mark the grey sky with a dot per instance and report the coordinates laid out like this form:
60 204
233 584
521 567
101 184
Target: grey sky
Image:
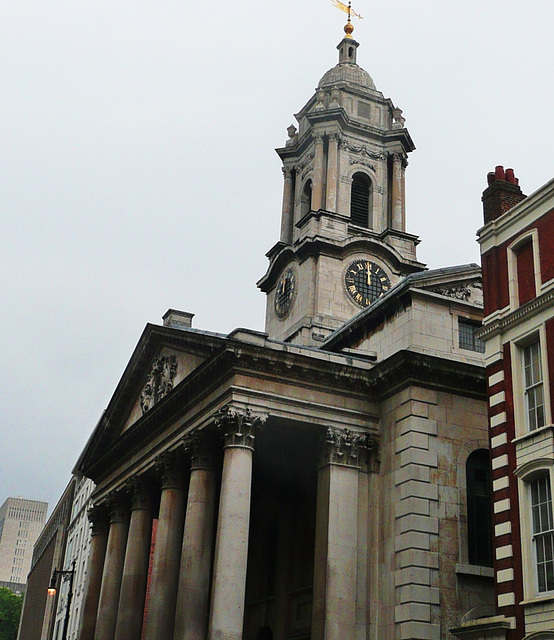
137 170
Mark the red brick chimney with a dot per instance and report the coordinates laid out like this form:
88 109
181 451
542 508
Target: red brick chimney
502 194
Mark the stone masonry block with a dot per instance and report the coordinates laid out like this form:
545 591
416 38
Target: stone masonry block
412 440
419 631
417 594
412 408
411 576
418 558
419 457
417 489
406 612
423 524
412 540
424 395
412 472
410 506
417 424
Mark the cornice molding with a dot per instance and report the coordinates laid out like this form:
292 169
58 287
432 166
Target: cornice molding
407 368
527 311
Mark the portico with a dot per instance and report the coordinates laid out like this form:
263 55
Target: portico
243 500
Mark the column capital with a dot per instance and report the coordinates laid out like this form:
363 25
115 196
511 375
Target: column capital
318 138
287 173
117 506
201 450
140 493
344 447
400 157
168 467
98 517
238 427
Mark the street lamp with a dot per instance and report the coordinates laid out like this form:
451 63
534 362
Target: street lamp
68 574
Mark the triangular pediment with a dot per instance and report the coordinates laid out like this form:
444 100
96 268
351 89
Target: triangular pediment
167 369
163 359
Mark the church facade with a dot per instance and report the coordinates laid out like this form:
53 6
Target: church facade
327 478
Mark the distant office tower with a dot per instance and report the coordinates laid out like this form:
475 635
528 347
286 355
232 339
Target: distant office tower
21 522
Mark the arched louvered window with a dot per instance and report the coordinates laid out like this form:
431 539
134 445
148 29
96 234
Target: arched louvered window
306 199
360 200
479 517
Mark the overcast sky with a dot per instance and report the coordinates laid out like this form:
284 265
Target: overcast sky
138 172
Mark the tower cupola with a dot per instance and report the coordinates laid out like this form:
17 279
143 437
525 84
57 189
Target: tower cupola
347 50
343 198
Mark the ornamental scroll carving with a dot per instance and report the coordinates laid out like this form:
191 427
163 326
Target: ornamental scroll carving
460 292
159 382
364 151
238 427
365 163
342 446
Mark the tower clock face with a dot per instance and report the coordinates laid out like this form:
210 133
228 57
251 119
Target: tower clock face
285 293
365 281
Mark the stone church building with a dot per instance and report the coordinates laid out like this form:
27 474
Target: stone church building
328 478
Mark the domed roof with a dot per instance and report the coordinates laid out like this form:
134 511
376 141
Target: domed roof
347 72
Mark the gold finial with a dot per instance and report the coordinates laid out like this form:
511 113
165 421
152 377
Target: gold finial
348 27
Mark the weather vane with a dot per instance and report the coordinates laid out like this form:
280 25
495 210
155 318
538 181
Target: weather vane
346 8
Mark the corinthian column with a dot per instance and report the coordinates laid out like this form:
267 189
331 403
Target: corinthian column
286 216
167 553
113 570
98 542
336 540
332 172
397 192
403 184
317 191
135 569
231 551
191 617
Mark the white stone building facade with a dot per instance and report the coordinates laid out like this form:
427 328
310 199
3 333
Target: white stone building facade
77 549
21 522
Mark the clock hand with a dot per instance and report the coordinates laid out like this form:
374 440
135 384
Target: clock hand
368 276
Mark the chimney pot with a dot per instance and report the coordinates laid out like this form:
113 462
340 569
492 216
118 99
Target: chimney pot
503 193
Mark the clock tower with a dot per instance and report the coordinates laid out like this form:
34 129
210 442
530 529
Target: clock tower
343 237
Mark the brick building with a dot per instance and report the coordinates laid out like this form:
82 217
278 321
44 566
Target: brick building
517 246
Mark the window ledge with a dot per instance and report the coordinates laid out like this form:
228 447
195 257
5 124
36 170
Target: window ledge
474 570
537 600
531 434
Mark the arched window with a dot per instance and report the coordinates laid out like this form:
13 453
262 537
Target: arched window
360 200
306 199
479 519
